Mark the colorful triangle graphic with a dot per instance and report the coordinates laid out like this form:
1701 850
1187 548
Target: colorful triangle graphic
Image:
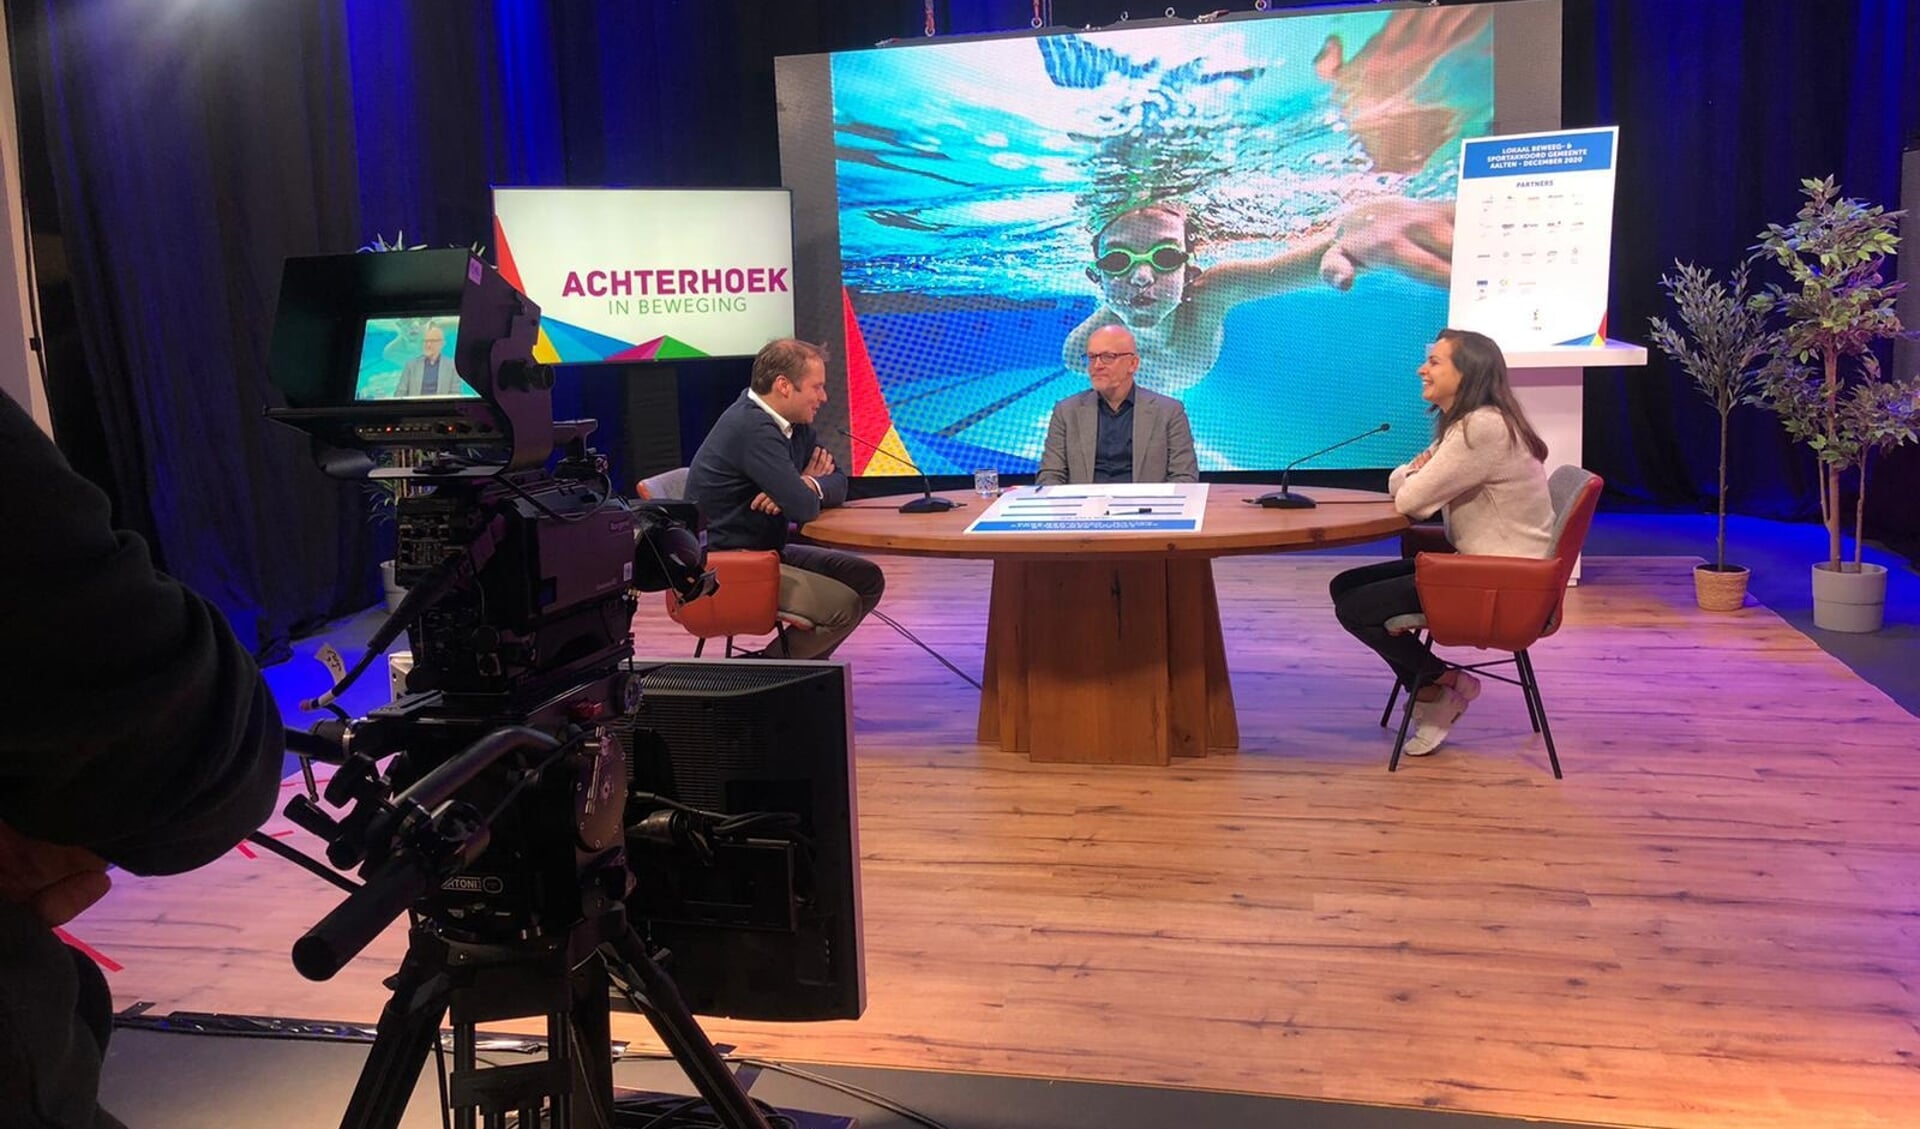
572 343
1598 340
889 458
672 348
659 349
867 414
503 254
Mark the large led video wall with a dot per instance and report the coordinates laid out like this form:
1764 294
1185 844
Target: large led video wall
1265 202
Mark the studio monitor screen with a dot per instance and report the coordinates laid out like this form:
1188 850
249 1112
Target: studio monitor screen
410 358
642 274
768 928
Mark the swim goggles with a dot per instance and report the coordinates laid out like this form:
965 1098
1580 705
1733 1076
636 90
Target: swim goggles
1162 257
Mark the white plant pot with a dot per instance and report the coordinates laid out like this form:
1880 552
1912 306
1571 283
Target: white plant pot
394 593
1849 601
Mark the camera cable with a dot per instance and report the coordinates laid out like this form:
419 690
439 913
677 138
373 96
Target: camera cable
883 617
305 862
859 1093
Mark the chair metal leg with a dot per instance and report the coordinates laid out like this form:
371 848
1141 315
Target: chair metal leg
1398 685
1392 697
699 645
1406 722
786 648
1533 707
1530 685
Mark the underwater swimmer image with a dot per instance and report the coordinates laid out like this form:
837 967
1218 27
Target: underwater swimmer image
1260 198
1144 267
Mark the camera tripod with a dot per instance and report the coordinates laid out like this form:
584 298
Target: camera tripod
567 981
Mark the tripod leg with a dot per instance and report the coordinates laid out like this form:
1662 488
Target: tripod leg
681 1032
590 1057
409 1024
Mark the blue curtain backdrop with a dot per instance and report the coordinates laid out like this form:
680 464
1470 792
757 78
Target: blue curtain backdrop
1724 106
188 154
177 153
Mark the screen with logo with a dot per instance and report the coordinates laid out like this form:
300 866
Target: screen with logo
410 358
1264 204
631 274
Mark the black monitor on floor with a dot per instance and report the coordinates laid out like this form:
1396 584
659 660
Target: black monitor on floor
768 927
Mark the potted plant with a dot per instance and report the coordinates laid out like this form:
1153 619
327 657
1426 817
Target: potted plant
1721 342
1825 382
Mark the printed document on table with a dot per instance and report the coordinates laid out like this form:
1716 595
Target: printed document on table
1103 508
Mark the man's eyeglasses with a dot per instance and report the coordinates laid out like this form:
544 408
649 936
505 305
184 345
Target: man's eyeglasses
1105 358
1162 257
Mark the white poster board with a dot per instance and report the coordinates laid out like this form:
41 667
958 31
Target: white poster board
1533 238
1111 507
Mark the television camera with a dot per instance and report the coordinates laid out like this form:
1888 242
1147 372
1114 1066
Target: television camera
491 801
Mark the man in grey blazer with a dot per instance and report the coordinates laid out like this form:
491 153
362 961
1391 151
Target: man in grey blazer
1116 431
431 373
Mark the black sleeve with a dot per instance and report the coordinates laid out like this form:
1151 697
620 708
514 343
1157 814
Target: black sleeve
768 460
833 489
136 725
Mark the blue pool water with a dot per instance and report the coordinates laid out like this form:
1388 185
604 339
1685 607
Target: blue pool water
973 178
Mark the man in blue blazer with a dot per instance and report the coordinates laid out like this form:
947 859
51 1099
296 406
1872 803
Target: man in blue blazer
1117 431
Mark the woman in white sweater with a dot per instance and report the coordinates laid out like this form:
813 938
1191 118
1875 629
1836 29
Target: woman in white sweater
1485 473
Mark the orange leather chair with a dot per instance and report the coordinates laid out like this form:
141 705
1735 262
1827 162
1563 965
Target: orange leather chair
747 600
666 484
1503 603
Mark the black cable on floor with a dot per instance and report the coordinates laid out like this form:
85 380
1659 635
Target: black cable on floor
847 1088
883 617
683 1113
858 1093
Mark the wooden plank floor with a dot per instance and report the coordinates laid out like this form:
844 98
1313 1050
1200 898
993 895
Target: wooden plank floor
1713 921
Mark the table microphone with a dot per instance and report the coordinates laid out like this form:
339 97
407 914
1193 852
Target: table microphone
1281 499
927 504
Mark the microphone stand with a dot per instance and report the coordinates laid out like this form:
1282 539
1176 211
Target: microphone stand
926 503
1284 499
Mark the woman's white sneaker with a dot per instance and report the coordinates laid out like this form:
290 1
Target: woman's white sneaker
1432 721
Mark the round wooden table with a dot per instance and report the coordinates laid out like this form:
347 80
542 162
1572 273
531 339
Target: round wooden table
1106 648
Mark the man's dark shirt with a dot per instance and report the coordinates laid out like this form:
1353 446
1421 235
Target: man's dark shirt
744 456
430 376
1113 450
